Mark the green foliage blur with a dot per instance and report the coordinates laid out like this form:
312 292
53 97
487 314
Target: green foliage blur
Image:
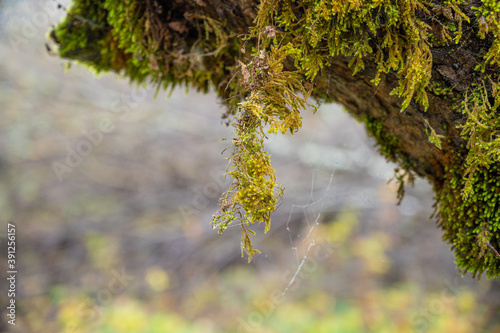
232 301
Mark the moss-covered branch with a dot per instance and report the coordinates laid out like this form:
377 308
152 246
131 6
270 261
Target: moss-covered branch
422 75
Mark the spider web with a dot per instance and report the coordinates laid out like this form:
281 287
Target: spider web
308 241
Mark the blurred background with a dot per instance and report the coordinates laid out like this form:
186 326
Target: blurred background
112 191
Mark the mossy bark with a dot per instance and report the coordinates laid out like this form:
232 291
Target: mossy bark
200 43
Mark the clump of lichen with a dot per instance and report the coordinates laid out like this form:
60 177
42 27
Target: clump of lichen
143 40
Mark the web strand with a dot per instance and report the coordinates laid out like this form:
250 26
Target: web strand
312 243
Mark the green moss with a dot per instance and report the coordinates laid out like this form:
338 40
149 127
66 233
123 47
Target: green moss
437 89
83 36
489 23
331 28
272 101
468 201
481 131
464 220
127 37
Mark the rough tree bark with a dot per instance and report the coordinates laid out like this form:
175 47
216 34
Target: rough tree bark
201 43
